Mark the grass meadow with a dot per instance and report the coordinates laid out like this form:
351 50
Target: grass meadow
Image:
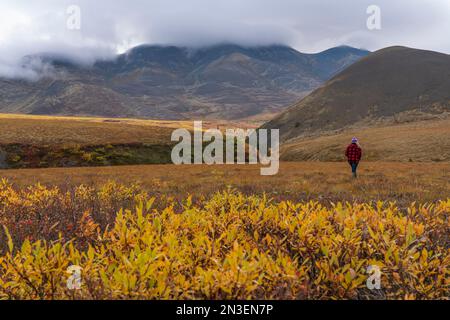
213 232
326 182
225 232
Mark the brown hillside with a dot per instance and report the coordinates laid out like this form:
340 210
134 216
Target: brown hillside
395 84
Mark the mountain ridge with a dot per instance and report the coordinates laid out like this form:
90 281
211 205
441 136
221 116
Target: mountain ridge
395 84
168 82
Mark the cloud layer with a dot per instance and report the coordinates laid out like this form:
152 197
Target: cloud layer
107 27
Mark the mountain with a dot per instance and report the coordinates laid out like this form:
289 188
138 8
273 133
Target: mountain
390 86
168 82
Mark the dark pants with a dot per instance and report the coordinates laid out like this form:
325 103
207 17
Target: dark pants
354 165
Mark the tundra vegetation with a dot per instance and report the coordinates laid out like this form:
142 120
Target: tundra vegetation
213 232
134 242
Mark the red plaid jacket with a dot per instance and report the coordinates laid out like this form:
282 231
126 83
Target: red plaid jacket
353 153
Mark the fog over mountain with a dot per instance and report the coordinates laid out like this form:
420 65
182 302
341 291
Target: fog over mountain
108 28
169 82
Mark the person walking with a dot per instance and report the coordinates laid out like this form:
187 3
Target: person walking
354 155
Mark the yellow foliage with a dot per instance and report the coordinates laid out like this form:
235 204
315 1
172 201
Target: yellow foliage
233 246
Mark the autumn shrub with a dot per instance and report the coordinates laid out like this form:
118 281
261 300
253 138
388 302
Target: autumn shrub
39 212
229 246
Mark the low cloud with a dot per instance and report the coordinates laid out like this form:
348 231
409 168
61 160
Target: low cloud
34 27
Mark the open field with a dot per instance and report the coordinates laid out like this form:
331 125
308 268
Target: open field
47 141
43 142
52 130
217 232
59 131
387 181
418 141
198 232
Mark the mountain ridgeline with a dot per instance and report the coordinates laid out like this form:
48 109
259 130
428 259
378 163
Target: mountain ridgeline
391 86
166 82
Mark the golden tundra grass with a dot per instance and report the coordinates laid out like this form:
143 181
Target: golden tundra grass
299 181
53 130
417 141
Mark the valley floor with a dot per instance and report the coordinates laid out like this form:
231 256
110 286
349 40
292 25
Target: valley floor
228 246
163 232
322 181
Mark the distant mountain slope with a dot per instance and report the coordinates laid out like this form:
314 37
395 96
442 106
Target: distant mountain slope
224 82
396 84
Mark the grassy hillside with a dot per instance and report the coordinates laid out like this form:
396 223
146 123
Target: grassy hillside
417 141
394 85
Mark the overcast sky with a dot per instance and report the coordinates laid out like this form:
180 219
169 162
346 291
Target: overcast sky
108 27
